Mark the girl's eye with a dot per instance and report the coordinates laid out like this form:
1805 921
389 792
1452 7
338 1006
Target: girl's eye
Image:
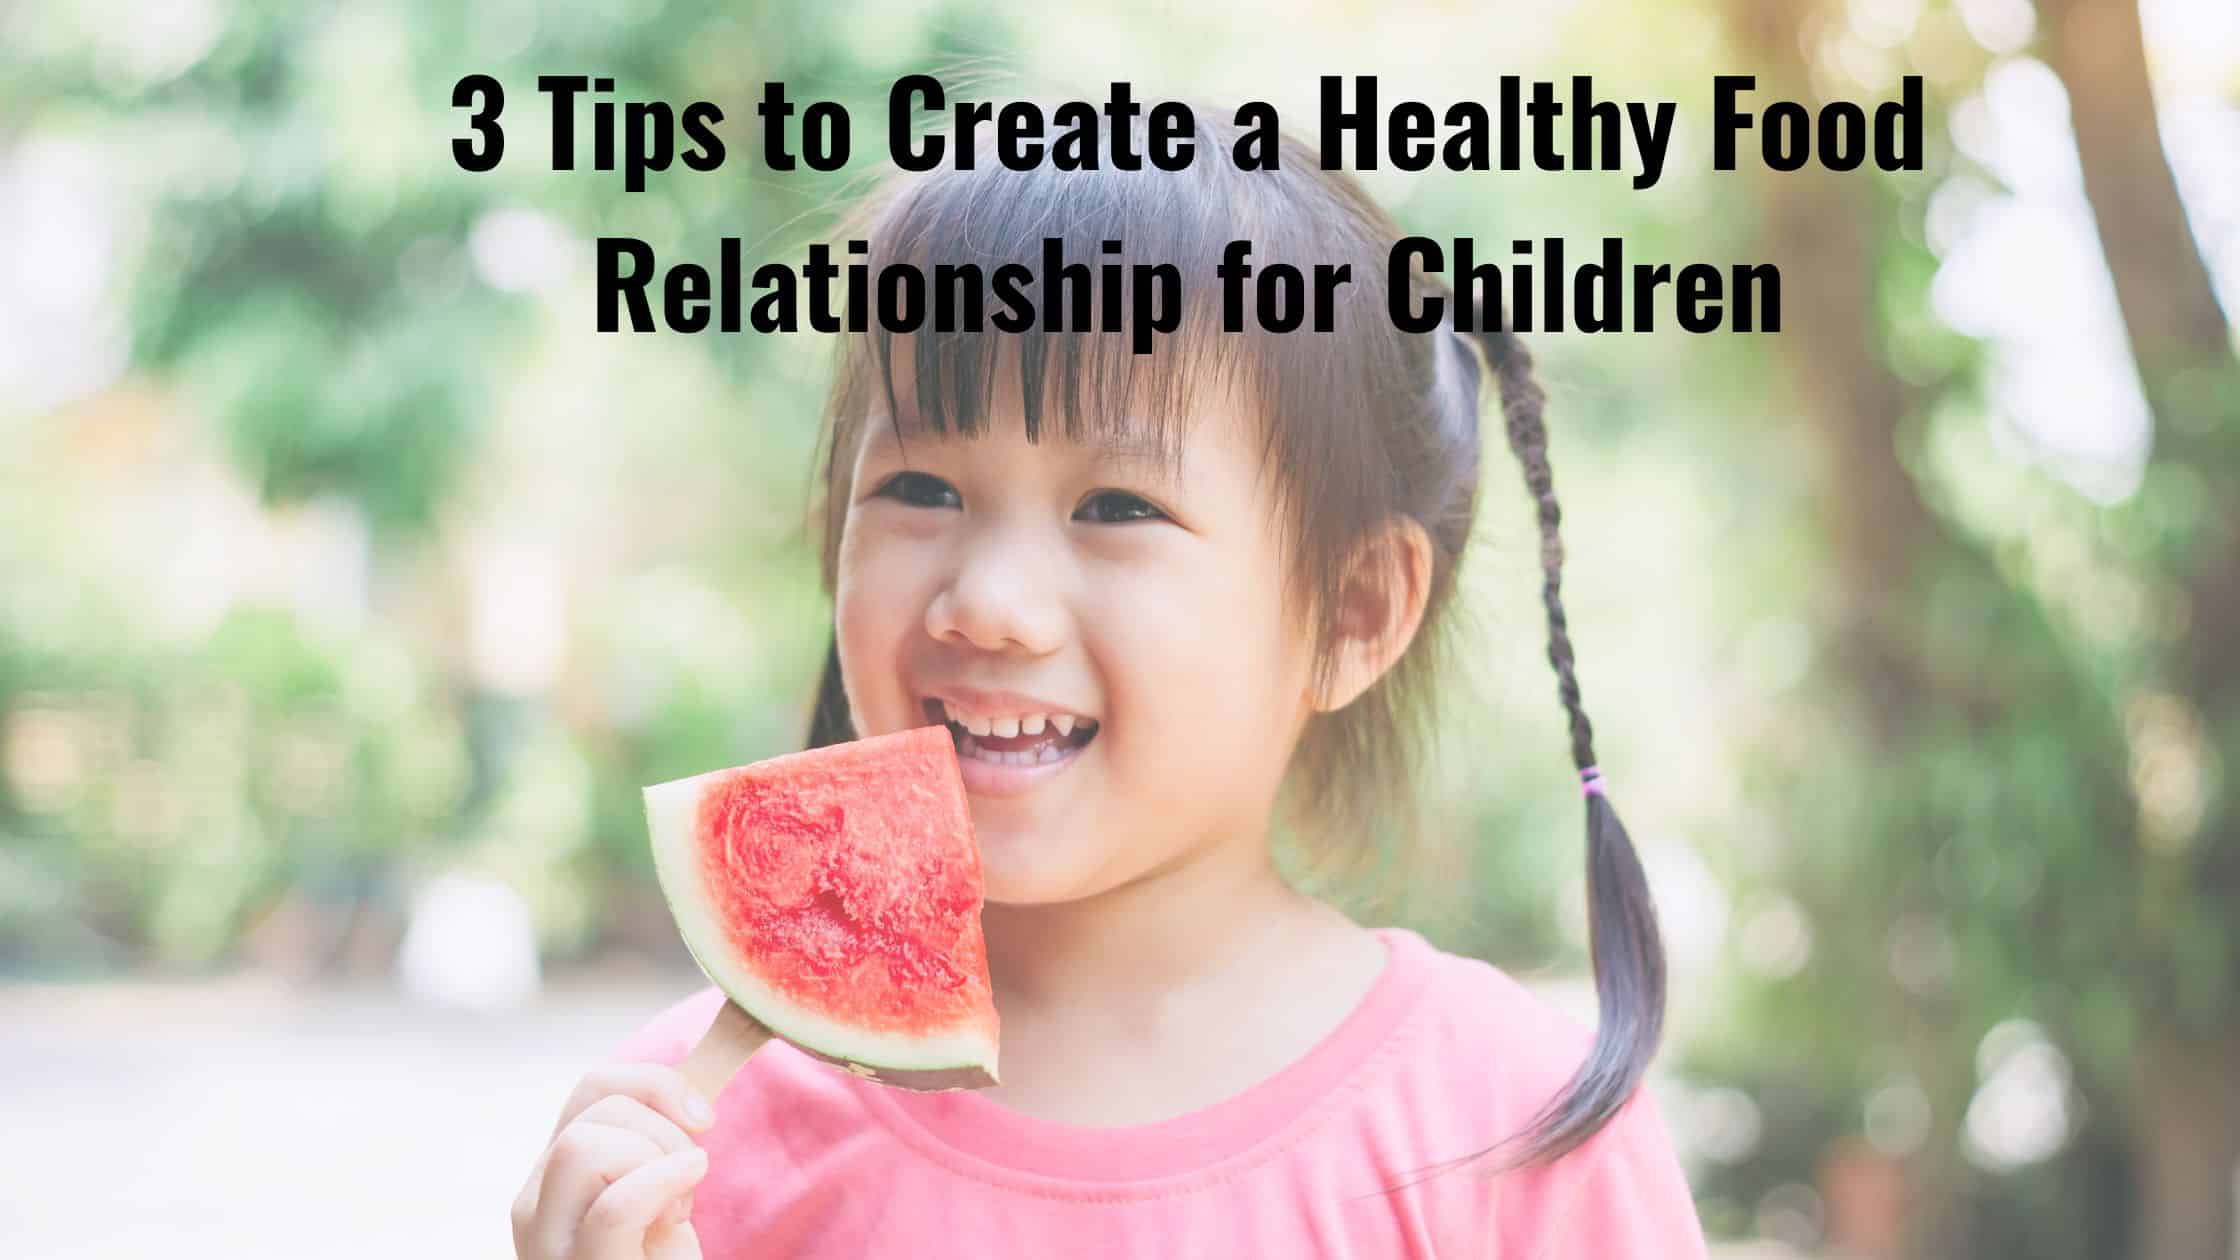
919 490
1116 507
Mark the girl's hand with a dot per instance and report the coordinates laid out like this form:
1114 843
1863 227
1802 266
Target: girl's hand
615 1182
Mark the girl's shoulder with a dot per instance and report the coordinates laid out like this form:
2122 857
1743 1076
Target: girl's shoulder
1484 1052
1481 1032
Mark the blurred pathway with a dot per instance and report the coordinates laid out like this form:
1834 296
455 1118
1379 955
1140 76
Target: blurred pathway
246 1119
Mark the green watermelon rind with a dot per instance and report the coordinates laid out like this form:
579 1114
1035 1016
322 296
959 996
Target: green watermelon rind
963 1059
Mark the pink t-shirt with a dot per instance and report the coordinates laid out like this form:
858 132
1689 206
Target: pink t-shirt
1444 1057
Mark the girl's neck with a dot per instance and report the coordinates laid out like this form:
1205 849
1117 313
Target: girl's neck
1169 994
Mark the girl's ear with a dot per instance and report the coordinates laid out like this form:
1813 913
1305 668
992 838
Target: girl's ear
1379 607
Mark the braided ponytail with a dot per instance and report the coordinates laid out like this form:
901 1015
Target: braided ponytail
1629 969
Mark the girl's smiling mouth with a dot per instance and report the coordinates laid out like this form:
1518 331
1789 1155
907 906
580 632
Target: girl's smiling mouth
1007 745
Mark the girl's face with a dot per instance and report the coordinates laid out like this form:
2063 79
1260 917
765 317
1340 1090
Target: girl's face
1103 632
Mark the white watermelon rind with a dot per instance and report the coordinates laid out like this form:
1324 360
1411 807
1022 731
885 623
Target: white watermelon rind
672 819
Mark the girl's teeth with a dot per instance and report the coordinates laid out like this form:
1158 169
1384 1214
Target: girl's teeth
1029 724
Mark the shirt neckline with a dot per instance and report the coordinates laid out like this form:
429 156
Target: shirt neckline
975 1134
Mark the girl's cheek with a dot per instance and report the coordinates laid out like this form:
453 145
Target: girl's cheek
1177 632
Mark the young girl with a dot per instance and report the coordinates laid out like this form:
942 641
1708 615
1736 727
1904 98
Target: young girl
1165 604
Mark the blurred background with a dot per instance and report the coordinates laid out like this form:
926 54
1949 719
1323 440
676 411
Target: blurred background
351 586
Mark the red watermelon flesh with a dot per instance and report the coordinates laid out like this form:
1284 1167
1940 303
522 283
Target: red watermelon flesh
835 896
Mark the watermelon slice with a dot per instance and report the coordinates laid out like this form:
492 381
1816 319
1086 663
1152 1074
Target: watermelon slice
835 896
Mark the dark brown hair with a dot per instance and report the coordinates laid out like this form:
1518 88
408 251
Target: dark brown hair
1362 425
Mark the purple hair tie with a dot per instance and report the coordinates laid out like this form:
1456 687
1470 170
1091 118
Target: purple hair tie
1590 781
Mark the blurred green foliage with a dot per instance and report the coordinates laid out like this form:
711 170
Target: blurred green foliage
302 280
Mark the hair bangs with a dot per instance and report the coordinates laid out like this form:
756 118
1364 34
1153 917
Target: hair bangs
958 227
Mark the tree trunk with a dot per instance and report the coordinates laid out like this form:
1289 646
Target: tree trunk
2187 1100
2187 1088
2179 337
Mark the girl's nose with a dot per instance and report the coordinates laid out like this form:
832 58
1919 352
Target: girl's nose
998 601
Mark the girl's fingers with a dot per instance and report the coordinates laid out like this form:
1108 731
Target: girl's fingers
619 1112
651 1102
618 1221
585 1160
664 1089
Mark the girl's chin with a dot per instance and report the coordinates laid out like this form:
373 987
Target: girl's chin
1020 889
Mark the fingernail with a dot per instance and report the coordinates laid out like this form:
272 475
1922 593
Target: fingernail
698 1112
